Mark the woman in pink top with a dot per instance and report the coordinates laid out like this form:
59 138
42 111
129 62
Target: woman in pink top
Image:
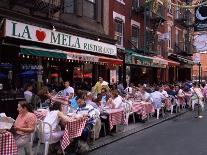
24 125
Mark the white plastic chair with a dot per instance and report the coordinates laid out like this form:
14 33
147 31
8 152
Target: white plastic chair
42 138
173 103
128 111
29 145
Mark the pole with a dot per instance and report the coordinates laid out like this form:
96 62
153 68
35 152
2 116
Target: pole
199 77
145 25
199 73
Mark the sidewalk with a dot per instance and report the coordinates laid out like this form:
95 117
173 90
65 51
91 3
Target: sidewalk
133 128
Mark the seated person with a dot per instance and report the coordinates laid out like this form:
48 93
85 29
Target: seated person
24 125
44 96
88 100
53 117
144 95
88 111
73 102
116 101
104 98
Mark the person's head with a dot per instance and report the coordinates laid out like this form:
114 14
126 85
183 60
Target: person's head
157 88
29 87
177 87
161 88
195 84
56 106
114 93
89 96
80 101
24 107
67 84
103 91
143 90
100 79
98 99
44 90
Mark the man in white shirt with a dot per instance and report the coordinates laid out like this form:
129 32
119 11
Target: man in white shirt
116 102
145 96
68 91
28 93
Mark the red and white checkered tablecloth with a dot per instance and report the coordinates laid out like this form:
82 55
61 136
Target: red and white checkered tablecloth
116 116
7 144
73 129
143 109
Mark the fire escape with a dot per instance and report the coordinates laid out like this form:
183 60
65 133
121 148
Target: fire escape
152 21
48 7
184 18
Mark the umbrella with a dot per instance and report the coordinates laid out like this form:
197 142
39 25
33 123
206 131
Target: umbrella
28 73
3 76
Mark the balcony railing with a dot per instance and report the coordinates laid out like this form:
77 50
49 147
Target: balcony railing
184 48
45 6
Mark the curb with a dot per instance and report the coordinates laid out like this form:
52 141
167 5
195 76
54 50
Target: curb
133 131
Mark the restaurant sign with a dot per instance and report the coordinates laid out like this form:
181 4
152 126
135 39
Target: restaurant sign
33 33
82 57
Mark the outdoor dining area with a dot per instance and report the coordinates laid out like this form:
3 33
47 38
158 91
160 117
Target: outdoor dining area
75 120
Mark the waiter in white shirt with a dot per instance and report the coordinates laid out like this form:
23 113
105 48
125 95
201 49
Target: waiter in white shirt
68 92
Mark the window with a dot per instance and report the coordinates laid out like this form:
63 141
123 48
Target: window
135 3
121 1
177 12
69 6
89 8
119 31
177 37
135 36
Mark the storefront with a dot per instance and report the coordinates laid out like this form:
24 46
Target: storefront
184 70
51 57
144 69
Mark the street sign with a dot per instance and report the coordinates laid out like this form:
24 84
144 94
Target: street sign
200 42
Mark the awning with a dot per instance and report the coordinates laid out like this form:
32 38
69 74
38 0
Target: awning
160 60
181 59
137 59
41 52
110 60
172 63
167 61
68 56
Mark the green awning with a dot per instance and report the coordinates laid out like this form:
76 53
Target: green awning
137 59
41 52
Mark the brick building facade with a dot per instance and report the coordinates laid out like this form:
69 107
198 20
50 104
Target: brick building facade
137 29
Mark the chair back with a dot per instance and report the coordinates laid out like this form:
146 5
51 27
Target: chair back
172 99
41 131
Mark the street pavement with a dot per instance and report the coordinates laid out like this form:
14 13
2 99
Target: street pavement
183 135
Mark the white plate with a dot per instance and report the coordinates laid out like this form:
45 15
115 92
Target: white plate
70 114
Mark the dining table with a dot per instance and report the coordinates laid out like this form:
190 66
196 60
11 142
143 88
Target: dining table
73 127
7 143
143 108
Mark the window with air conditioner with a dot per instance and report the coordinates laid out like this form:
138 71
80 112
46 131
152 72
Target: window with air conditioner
119 31
135 36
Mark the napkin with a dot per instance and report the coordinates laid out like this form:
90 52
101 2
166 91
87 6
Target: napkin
6 123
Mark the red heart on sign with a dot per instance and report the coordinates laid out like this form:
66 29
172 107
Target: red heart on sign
40 35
